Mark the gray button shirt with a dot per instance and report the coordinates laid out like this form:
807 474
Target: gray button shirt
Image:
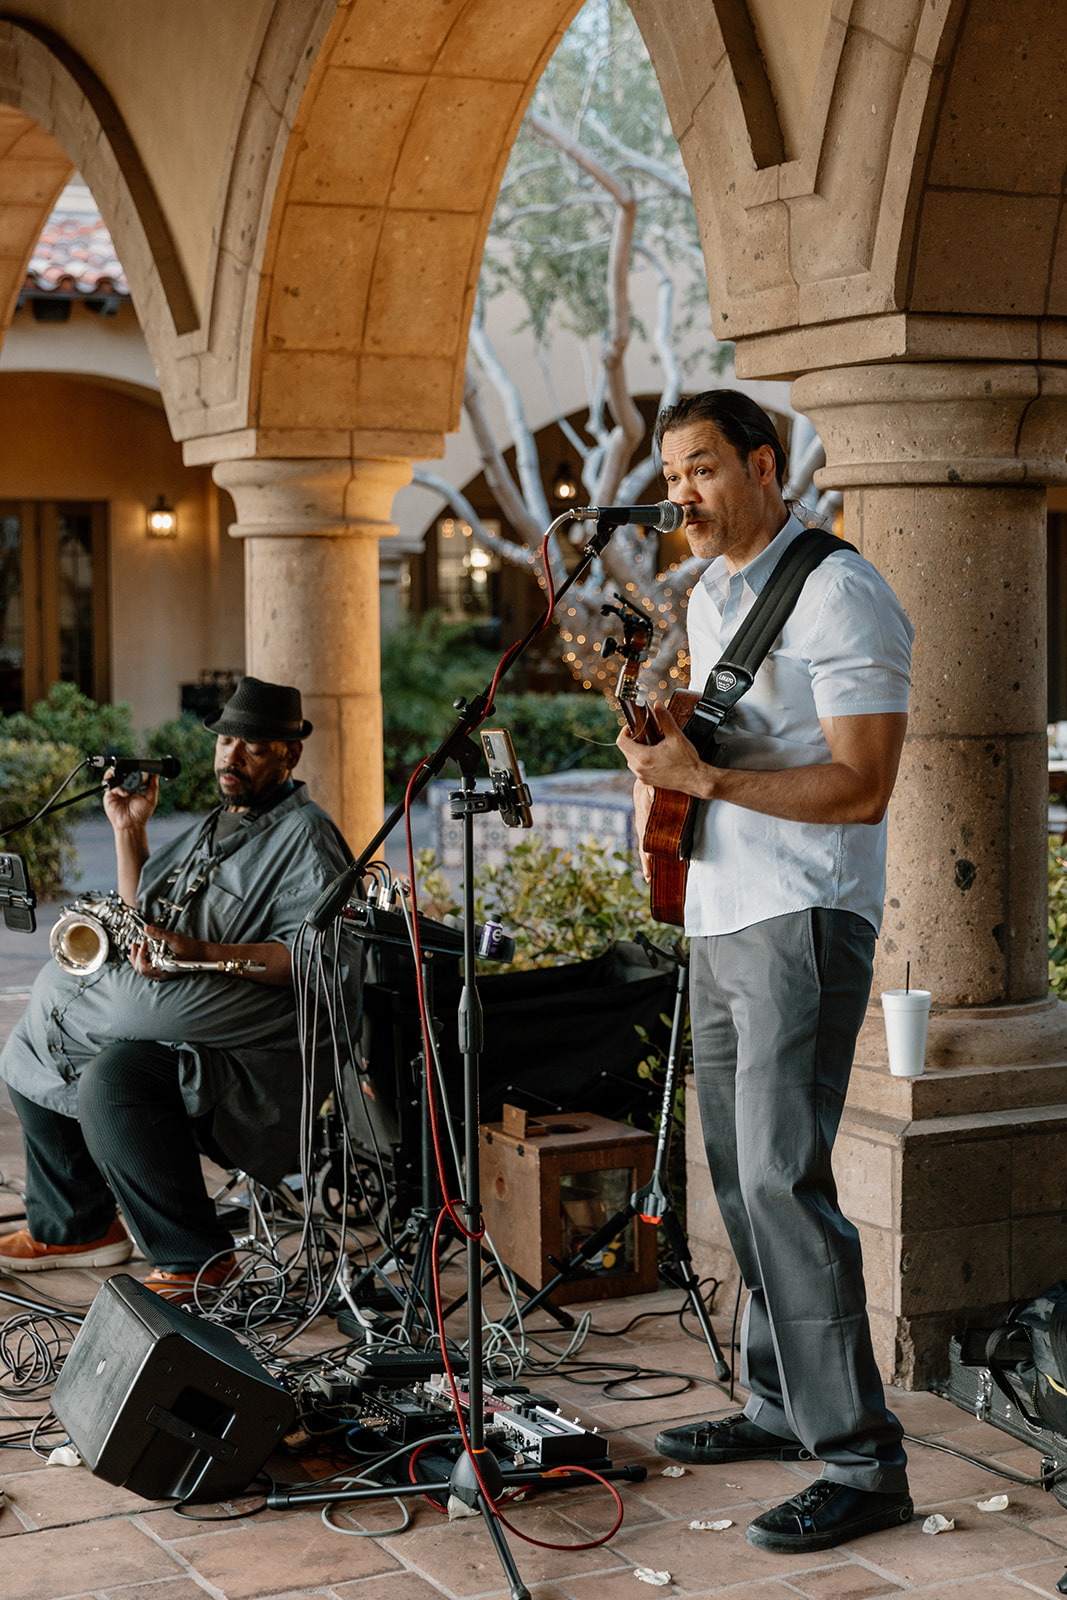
240 1054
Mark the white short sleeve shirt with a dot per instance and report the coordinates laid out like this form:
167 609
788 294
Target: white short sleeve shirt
845 651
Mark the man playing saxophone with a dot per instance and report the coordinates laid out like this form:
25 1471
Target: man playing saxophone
122 1075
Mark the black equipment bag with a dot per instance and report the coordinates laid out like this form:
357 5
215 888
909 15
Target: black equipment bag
1027 1358
556 1039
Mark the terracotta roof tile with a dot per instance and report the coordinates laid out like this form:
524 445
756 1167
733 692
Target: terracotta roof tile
75 255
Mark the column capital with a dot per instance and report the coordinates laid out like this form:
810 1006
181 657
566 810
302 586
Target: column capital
327 498
938 422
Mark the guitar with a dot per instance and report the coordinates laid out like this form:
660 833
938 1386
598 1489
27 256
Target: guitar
669 829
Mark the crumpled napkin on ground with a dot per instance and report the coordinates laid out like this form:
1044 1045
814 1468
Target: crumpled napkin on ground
650 1575
938 1524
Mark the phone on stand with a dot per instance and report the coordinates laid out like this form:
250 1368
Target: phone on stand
17 898
512 793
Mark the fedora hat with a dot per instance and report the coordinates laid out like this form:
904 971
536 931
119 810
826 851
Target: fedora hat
258 710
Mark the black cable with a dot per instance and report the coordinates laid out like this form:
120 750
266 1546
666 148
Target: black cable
231 1516
1043 1481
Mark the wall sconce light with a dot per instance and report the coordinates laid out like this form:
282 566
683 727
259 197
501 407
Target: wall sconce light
162 521
564 483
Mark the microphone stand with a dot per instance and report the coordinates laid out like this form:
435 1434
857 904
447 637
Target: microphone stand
477 1478
457 744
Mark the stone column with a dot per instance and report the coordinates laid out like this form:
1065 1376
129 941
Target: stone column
943 468
312 611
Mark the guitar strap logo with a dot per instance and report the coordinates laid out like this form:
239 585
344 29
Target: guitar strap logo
725 681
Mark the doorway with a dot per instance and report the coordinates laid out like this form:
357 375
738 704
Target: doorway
53 600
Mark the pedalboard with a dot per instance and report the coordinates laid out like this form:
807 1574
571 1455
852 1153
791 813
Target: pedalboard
400 1397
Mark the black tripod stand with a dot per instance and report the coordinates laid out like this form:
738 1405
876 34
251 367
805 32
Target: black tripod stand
477 1477
653 1202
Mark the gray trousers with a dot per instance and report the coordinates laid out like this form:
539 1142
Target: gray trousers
775 1012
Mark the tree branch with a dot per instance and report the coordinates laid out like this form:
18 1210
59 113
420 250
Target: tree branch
675 181
517 555
497 475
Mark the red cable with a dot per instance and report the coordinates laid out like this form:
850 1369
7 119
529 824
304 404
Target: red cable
449 1206
554 1472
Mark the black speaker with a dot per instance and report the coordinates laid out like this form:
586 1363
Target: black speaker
164 1403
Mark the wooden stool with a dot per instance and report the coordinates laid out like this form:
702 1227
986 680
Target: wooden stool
549 1183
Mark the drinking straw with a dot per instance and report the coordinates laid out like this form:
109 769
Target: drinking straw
907 978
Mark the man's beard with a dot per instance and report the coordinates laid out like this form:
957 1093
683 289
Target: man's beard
235 797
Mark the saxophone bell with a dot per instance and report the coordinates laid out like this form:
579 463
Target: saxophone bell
79 942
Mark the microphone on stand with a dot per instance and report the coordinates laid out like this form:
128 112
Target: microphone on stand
665 516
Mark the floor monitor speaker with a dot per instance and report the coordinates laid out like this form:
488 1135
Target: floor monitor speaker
164 1403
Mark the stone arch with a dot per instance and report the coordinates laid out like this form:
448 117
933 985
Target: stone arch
201 356
33 170
48 82
371 266
916 135
995 172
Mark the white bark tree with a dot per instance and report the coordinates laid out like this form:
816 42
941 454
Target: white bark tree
594 195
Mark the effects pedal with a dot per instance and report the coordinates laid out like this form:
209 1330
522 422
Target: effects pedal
386 1367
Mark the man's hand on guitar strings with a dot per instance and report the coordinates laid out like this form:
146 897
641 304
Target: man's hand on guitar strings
672 763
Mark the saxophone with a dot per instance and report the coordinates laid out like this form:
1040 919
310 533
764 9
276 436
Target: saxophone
102 927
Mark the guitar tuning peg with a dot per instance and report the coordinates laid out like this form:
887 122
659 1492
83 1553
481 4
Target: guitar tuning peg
609 647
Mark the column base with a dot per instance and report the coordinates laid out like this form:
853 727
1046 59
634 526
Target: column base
978 1058
954 1180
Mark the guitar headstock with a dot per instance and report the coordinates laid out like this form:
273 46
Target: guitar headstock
638 629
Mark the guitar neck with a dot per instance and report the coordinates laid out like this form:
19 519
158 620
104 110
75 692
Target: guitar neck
641 722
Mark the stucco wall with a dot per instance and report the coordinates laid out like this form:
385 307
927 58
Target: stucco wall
176 605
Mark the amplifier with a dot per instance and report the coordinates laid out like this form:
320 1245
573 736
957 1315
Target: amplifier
164 1403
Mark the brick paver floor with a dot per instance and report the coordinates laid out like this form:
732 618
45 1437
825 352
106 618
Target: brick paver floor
67 1535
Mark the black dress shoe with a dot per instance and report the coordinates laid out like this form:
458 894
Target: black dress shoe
730 1439
825 1514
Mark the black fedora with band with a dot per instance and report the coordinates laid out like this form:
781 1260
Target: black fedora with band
258 710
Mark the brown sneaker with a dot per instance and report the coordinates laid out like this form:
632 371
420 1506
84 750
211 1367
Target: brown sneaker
21 1252
182 1288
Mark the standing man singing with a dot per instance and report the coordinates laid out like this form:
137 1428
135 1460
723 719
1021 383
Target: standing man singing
783 905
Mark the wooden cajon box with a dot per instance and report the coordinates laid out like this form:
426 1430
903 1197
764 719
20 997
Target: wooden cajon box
550 1182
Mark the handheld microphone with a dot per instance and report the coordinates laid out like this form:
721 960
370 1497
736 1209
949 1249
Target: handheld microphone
166 766
664 515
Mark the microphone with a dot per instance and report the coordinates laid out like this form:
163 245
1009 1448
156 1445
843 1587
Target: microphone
166 766
665 515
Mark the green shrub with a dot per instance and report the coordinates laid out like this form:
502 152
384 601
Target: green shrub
1057 919
29 773
66 716
560 732
558 905
194 789
427 665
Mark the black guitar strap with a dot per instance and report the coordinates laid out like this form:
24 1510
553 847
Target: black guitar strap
734 673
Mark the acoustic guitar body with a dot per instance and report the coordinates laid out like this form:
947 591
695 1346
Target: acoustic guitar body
668 837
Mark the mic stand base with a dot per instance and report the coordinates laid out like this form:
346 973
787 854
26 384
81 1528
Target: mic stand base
653 1204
